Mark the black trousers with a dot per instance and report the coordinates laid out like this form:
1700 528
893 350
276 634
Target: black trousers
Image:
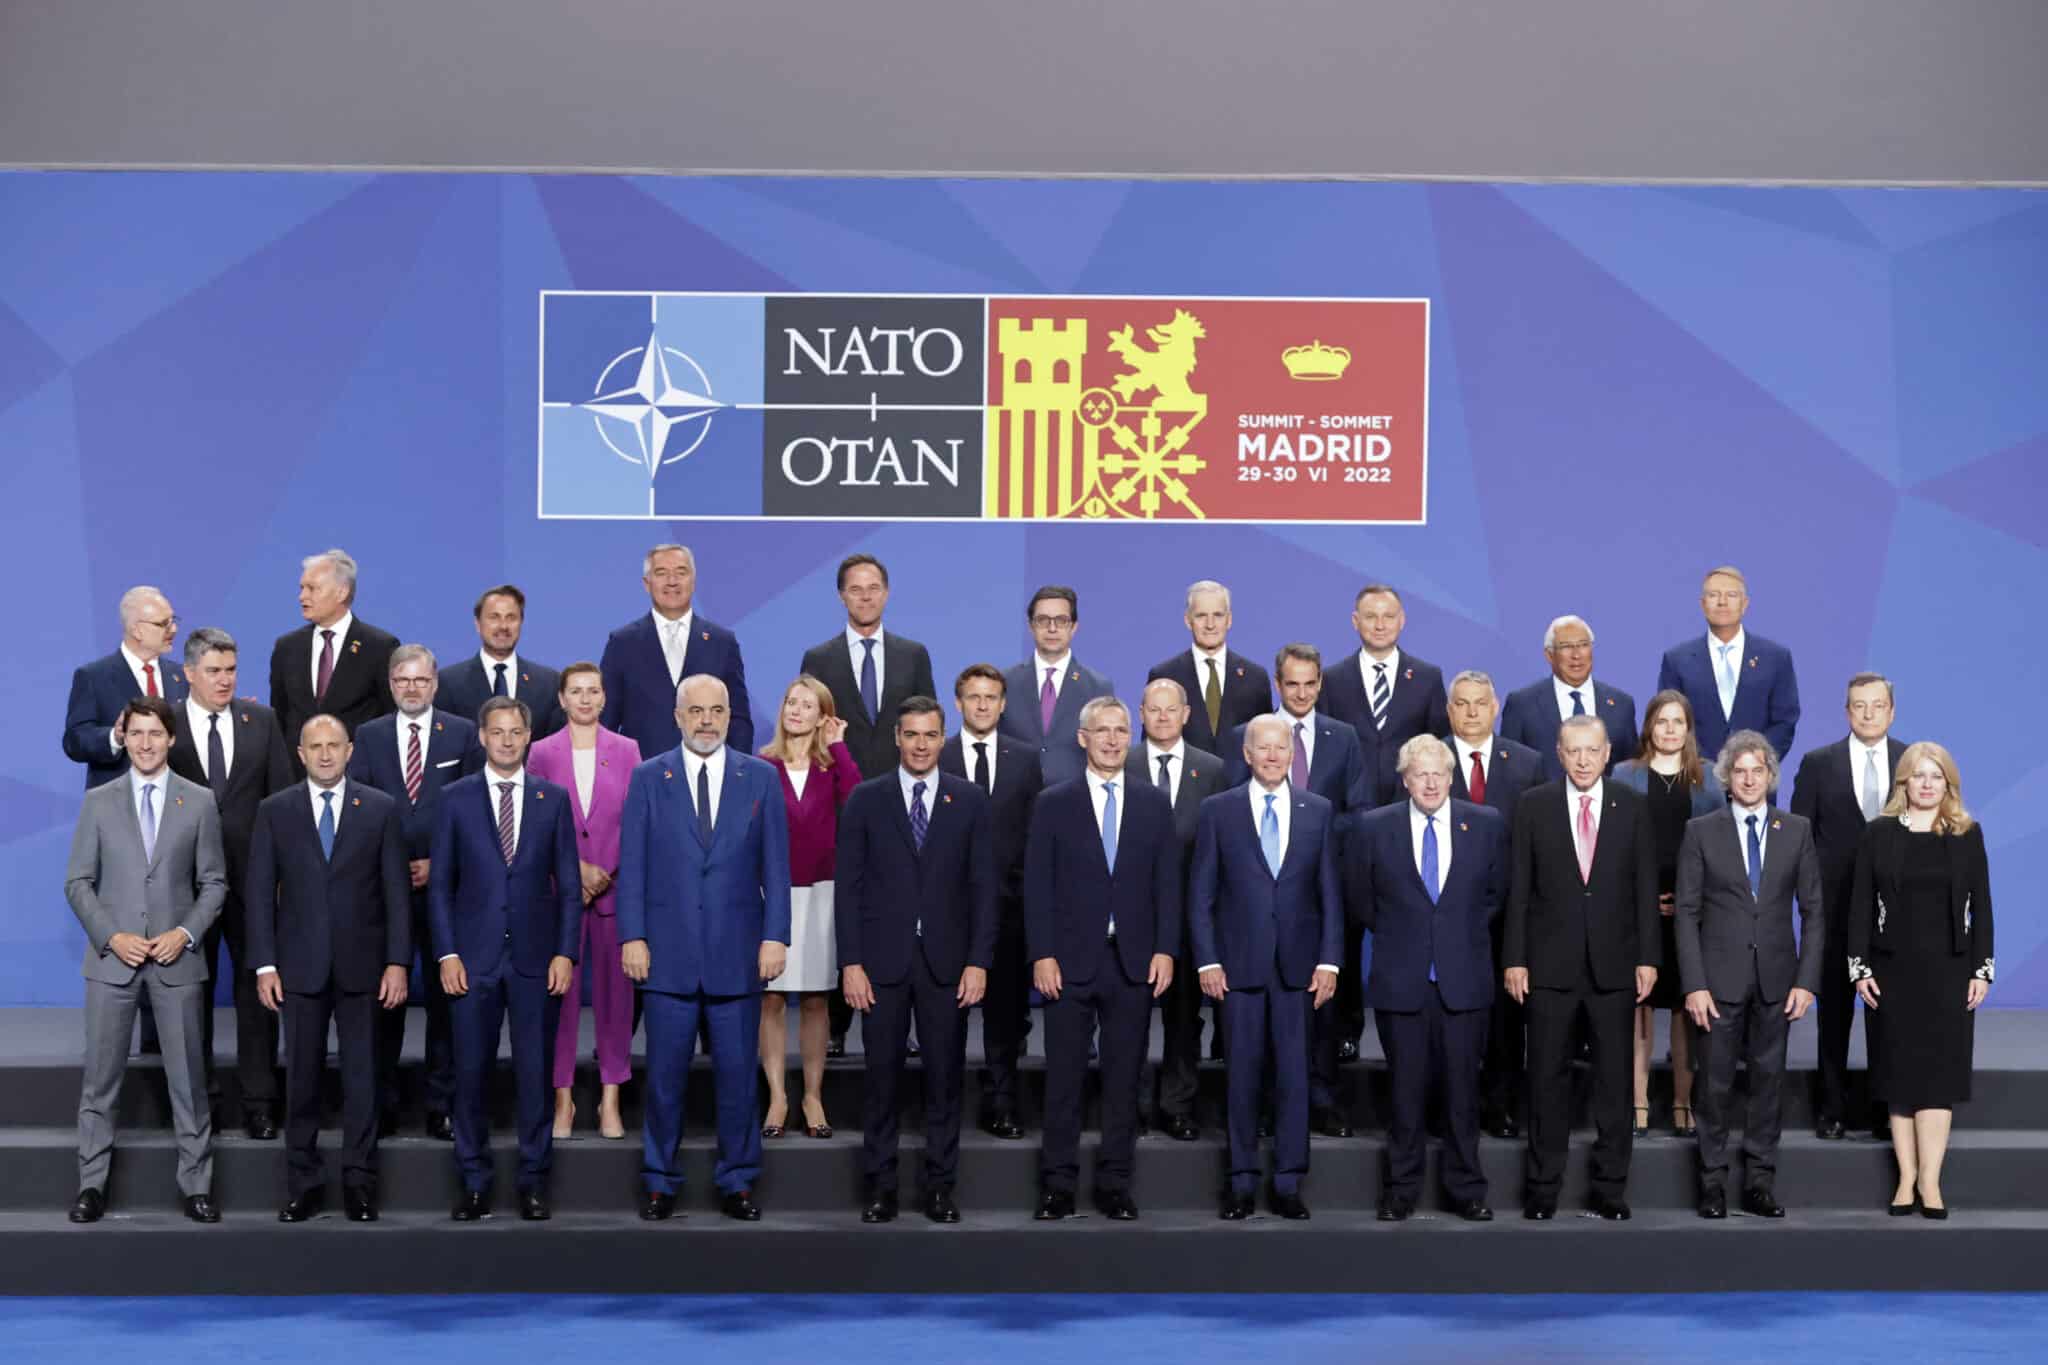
1005 1013
1837 1010
1752 1030
1181 1052
1609 1018
305 1035
255 1027
1441 1046
1500 1079
440 1074
942 1051
1124 1013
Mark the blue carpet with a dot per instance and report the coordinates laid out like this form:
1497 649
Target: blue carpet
1137 1329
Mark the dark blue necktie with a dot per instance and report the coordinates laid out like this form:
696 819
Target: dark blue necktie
704 802
498 683
920 820
327 825
1756 860
869 700
1578 703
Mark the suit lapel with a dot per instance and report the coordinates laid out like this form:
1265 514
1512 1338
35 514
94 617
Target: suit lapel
735 789
1610 821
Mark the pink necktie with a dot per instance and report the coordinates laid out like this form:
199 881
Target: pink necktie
326 671
1047 699
1586 837
1297 771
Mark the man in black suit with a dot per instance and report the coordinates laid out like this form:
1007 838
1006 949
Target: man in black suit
1102 905
1581 942
1008 770
1187 776
1533 713
410 756
1746 980
1841 788
235 750
497 670
916 896
870 671
1224 689
141 667
331 939
1385 693
1491 771
333 665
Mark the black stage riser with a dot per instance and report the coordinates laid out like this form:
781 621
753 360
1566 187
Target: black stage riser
38 1171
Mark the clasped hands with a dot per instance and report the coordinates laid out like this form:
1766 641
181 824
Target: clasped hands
133 949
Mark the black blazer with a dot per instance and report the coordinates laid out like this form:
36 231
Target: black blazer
449 753
1530 717
359 690
887 890
465 687
1071 894
1556 921
906 673
1824 794
1340 770
1417 706
1019 779
317 919
258 769
100 691
1511 769
1728 937
1880 888
1410 933
1247 692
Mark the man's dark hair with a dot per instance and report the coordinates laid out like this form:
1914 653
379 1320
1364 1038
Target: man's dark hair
495 705
973 671
151 706
852 562
1050 592
502 590
919 706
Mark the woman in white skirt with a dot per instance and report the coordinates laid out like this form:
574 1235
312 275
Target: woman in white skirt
818 774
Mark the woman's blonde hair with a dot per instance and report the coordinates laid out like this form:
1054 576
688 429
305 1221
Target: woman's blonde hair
1949 816
815 746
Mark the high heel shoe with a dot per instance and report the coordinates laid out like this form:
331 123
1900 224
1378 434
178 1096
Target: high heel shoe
1642 1125
1933 1211
565 1122
820 1129
774 1130
1685 1127
610 1125
1905 1210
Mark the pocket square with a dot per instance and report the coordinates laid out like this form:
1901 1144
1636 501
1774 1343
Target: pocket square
449 763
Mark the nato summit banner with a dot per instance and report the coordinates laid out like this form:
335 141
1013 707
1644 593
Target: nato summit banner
948 407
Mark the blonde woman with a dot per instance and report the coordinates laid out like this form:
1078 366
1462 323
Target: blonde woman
1920 955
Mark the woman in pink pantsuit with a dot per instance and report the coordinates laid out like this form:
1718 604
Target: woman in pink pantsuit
594 764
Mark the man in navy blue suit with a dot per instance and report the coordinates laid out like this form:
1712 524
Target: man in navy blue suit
1533 713
330 937
141 667
1267 923
1048 690
916 894
1102 924
646 660
498 670
506 901
703 909
412 755
1427 878
1224 689
1492 771
1734 680
1385 693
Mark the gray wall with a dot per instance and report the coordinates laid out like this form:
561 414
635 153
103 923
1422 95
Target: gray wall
1886 90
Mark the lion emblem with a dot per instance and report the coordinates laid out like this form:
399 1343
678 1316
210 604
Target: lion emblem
1163 369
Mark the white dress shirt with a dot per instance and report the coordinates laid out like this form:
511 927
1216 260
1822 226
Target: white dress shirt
856 651
1763 830
715 767
1059 673
968 739
340 629
584 762
1177 762
1368 670
1880 752
511 662
675 641
1283 813
199 720
1735 648
1416 822
1463 753
1564 695
905 779
1573 804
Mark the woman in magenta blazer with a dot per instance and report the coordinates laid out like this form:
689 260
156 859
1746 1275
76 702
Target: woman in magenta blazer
594 764
818 774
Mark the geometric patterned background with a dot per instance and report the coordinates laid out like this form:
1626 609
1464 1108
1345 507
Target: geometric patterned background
205 376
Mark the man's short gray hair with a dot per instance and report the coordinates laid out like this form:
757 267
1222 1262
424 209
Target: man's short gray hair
1251 727
406 654
207 640
1422 747
1550 632
1473 675
341 563
1180 694
1095 706
703 677
1201 586
1583 723
132 603
647 560
1741 743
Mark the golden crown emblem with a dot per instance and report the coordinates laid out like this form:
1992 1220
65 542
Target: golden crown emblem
1316 361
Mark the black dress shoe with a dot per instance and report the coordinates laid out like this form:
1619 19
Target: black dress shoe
305 1206
88 1207
533 1206
1003 1124
1472 1210
655 1208
1396 1209
1762 1204
259 1125
1287 1205
910 1048
1937 1214
199 1208
1181 1128
1347 1051
473 1205
1502 1126
1236 1208
1539 1210
1613 1210
1116 1205
440 1127
836 1047
1265 1129
359 1205
881 1208
387 1125
939 1206
1054 1205
1831 1129
1713 1204
1331 1123
740 1206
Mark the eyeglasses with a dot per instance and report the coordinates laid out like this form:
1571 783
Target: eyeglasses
1052 622
168 623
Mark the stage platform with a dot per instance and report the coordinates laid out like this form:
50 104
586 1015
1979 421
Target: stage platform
1837 1237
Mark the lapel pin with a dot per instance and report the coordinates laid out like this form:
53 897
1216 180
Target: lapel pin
1240 672
355 646
1464 828
245 718
526 677
946 798
1075 676
357 802
1777 824
707 635
1610 701
438 727
1502 754
1752 661
177 800
1409 674
667 776
604 763
540 795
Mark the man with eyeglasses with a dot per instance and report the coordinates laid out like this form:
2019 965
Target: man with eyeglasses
141 667
1533 714
1734 680
1048 690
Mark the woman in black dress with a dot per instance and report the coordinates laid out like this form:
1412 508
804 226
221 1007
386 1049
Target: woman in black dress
1920 955
1668 771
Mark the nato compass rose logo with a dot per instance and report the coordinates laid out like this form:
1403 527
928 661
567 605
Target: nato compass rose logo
652 421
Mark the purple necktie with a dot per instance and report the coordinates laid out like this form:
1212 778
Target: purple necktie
1047 699
1298 772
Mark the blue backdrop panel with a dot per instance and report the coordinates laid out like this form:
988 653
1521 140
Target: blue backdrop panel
204 377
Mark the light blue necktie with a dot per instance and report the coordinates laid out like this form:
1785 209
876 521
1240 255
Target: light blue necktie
1756 860
327 825
1109 837
1269 836
1430 878
1726 683
148 822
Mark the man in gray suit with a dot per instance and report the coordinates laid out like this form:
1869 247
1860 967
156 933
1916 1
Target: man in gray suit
1745 979
146 879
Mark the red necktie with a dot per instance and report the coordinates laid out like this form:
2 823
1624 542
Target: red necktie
149 680
1476 787
413 765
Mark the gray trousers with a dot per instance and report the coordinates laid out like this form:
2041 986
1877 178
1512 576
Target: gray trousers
109 1023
